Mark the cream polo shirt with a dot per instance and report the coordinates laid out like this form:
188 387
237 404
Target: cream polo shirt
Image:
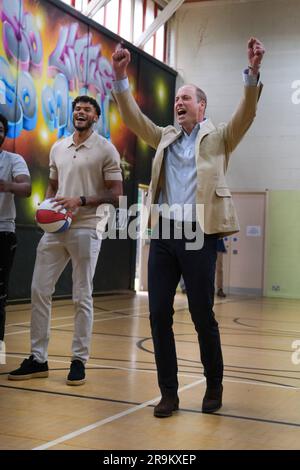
82 170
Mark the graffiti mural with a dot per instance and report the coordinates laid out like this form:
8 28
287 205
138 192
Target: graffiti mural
48 57
75 64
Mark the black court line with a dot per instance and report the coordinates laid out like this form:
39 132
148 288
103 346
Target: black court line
28 308
227 369
236 333
104 310
114 311
249 418
261 374
252 379
94 358
57 328
98 368
137 361
234 345
266 320
126 402
261 333
65 394
64 330
112 297
69 302
53 317
140 345
238 321
182 371
197 365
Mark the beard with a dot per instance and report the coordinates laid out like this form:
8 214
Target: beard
83 126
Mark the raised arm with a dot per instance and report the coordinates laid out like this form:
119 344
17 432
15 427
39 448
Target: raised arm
245 113
131 114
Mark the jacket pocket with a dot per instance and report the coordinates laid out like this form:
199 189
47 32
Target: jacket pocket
223 192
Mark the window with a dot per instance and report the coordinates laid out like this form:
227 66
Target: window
149 18
160 43
112 16
129 18
78 5
138 19
99 16
125 21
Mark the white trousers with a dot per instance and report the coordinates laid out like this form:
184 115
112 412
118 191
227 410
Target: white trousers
54 251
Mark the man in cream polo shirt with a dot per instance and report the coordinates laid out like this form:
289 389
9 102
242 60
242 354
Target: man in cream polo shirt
84 173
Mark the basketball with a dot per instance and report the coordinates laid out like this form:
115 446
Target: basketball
52 219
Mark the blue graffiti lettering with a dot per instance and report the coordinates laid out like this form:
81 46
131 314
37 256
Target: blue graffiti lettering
57 106
20 104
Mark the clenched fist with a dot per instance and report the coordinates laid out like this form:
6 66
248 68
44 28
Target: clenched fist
120 60
256 51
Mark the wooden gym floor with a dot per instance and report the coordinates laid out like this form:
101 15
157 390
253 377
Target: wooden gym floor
114 409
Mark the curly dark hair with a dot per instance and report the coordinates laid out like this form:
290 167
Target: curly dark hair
5 124
87 99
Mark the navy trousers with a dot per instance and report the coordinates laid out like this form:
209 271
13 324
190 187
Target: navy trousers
168 259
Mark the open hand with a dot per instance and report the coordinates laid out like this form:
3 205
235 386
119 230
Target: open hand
69 203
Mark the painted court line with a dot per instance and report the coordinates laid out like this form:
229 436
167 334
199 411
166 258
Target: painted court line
105 366
56 327
102 422
92 365
56 318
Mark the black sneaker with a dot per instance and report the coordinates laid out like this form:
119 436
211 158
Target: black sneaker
30 369
76 375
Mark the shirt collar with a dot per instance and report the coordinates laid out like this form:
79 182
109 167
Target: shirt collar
195 130
87 143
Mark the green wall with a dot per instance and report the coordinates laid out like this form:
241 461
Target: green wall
283 245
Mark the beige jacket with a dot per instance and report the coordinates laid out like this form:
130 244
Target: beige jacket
212 151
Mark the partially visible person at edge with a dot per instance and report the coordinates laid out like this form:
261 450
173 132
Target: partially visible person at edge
84 173
14 181
202 182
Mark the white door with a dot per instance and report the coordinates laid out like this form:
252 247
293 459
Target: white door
244 260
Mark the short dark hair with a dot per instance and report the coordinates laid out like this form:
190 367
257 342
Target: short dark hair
87 99
200 95
5 123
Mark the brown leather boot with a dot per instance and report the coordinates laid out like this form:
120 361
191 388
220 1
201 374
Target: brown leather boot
166 406
212 400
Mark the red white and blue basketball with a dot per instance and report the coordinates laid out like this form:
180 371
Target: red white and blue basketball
52 219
